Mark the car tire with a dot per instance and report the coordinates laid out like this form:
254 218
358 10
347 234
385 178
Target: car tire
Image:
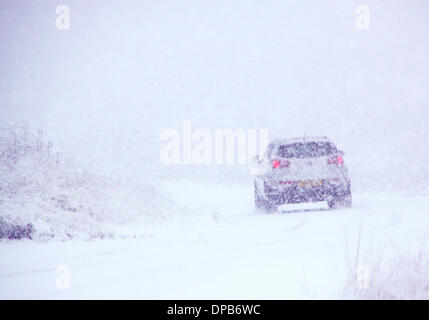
343 202
263 205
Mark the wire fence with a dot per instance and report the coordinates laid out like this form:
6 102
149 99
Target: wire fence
17 139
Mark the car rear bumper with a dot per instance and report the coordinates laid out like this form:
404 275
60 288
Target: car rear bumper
294 193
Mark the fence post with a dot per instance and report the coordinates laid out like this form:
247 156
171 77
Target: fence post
49 147
26 133
39 140
12 137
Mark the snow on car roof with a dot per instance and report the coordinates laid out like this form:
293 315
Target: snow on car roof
300 139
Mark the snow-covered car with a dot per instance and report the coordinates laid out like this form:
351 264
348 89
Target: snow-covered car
307 169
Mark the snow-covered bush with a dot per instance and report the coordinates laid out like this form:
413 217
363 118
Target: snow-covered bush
12 231
65 200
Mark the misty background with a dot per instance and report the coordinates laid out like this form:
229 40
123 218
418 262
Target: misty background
104 90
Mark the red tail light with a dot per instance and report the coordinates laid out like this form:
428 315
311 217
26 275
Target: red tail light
285 184
276 164
336 160
280 164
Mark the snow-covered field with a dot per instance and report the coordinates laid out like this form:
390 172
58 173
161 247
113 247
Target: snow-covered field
226 250
111 220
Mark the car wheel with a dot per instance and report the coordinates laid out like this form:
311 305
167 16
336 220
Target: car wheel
343 202
263 205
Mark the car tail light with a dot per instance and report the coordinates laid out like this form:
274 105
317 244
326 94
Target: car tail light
335 180
276 164
336 160
284 183
281 164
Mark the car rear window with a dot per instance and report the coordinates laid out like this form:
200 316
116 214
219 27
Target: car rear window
306 150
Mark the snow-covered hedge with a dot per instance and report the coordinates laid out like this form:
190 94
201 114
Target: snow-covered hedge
42 198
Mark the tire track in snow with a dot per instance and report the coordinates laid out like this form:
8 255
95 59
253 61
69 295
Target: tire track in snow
394 218
300 222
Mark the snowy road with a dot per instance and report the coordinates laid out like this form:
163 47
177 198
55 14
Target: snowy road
222 249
